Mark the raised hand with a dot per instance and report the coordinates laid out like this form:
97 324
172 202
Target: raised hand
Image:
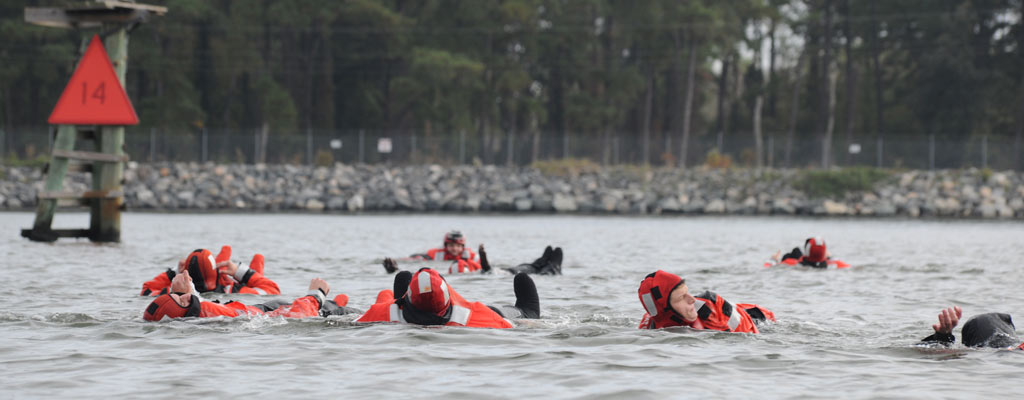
485 265
948 319
227 267
390 265
320 284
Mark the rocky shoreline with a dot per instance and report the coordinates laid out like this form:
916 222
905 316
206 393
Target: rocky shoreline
345 188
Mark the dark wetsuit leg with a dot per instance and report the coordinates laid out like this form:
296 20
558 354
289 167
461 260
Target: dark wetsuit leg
794 254
522 268
822 264
527 299
498 310
332 308
554 266
401 284
548 264
271 305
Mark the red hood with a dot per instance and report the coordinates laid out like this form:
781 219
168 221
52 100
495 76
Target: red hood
654 294
165 306
202 269
814 250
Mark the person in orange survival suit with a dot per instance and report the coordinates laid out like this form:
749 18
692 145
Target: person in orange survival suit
550 263
183 302
814 255
424 298
463 259
668 303
994 330
226 277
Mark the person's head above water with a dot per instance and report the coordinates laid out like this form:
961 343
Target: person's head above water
814 250
454 243
989 330
665 297
177 304
428 291
201 265
171 305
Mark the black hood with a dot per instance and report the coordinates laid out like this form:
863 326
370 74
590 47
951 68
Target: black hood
989 330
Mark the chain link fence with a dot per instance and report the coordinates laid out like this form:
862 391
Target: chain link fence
318 147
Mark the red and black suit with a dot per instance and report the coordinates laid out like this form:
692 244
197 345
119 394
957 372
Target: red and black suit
713 311
201 267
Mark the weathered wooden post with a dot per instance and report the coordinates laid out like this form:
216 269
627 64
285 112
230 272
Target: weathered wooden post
93 106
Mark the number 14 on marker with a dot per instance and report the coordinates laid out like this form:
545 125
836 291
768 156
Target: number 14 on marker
99 93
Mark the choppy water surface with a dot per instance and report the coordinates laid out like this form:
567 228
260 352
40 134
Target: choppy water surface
71 323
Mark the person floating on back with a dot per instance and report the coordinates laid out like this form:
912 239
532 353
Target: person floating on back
464 260
183 302
219 275
668 303
994 330
814 255
425 298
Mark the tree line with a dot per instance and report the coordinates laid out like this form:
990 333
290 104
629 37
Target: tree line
664 71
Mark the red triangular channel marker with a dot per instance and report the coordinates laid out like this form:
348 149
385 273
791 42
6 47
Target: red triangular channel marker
94 95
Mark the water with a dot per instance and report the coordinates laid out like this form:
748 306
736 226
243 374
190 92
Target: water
71 323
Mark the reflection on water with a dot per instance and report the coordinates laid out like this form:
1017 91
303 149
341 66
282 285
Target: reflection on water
72 321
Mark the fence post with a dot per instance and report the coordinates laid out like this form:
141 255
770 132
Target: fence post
462 147
616 150
205 149
984 151
361 155
255 146
771 151
565 146
3 144
668 147
879 152
412 149
511 153
309 145
931 152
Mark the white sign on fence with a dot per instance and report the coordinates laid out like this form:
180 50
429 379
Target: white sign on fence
335 144
384 145
854 148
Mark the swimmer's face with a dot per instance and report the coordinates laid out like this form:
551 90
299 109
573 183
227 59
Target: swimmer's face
454 249
182 299
682 302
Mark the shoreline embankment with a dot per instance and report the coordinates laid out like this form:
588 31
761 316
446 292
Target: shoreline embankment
348 188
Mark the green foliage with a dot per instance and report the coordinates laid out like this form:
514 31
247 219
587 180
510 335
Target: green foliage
714 159
324 158
566 167
276 105
986 174
38 161
836 183
583 67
